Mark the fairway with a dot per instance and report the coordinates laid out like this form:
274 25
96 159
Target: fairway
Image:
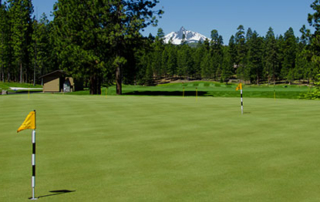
144 148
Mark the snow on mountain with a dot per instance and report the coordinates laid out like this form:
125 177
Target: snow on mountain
190 36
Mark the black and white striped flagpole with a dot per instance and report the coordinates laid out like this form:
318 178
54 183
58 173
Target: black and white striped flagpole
241 101
33 178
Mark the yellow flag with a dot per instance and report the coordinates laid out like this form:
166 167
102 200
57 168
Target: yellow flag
239 87
29 122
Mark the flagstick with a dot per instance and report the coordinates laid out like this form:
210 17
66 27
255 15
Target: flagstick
106 91
33 178
196 94
241 102
29 93
183 92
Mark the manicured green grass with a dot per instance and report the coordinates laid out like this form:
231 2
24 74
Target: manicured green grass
131 148
209 89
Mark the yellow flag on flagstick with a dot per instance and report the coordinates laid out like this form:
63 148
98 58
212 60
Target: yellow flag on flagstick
239 87
29 122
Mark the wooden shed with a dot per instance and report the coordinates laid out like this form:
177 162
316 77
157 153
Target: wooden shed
57 81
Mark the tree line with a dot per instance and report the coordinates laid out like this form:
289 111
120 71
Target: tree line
247 56
100 42
91 40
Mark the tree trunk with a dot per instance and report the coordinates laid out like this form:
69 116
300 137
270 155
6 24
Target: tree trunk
21 72
2 74
119 80
95 85
92 85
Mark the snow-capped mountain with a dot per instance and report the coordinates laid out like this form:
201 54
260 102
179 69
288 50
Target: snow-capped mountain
190 36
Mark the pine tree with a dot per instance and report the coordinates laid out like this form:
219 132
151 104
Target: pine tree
164 62
93 34
216 53
80 39
241 51
255 56
289 55
197 58
206 66
42 47
128 19
271 69
20 12
314 21
172 60
3 40
227 65
157 54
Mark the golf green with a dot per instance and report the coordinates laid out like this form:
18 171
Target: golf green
154 148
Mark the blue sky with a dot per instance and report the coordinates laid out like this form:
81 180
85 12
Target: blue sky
223 15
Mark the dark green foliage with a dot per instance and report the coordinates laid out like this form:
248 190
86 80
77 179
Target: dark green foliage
44 60
255 58
100 37
271 67
4 39
241 52
100 42
19 12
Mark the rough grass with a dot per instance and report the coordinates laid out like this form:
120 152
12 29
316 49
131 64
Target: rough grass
128 148
7 85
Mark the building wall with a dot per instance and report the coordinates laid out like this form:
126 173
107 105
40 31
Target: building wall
51 84
71 83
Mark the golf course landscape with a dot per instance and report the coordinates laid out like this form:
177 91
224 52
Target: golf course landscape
162 148
159 101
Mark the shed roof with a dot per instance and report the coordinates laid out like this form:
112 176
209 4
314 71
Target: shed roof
54 73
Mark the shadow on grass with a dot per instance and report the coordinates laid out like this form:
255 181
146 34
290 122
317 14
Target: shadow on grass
57 192
166 93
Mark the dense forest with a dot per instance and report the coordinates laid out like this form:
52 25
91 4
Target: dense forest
101 42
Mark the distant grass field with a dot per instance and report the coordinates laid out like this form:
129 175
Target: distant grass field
209 89
131 148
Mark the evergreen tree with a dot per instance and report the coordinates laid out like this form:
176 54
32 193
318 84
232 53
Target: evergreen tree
241 51
271 57
93 34
184 61
227 65
197 58
232 50
4 32
206 66
157 54
216 53
249 34
172 60
128 19
20 12
289 55
314 21
164 62
280 48
41 46
80 37
255 56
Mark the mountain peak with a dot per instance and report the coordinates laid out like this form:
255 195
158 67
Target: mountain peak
182 29
190 36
